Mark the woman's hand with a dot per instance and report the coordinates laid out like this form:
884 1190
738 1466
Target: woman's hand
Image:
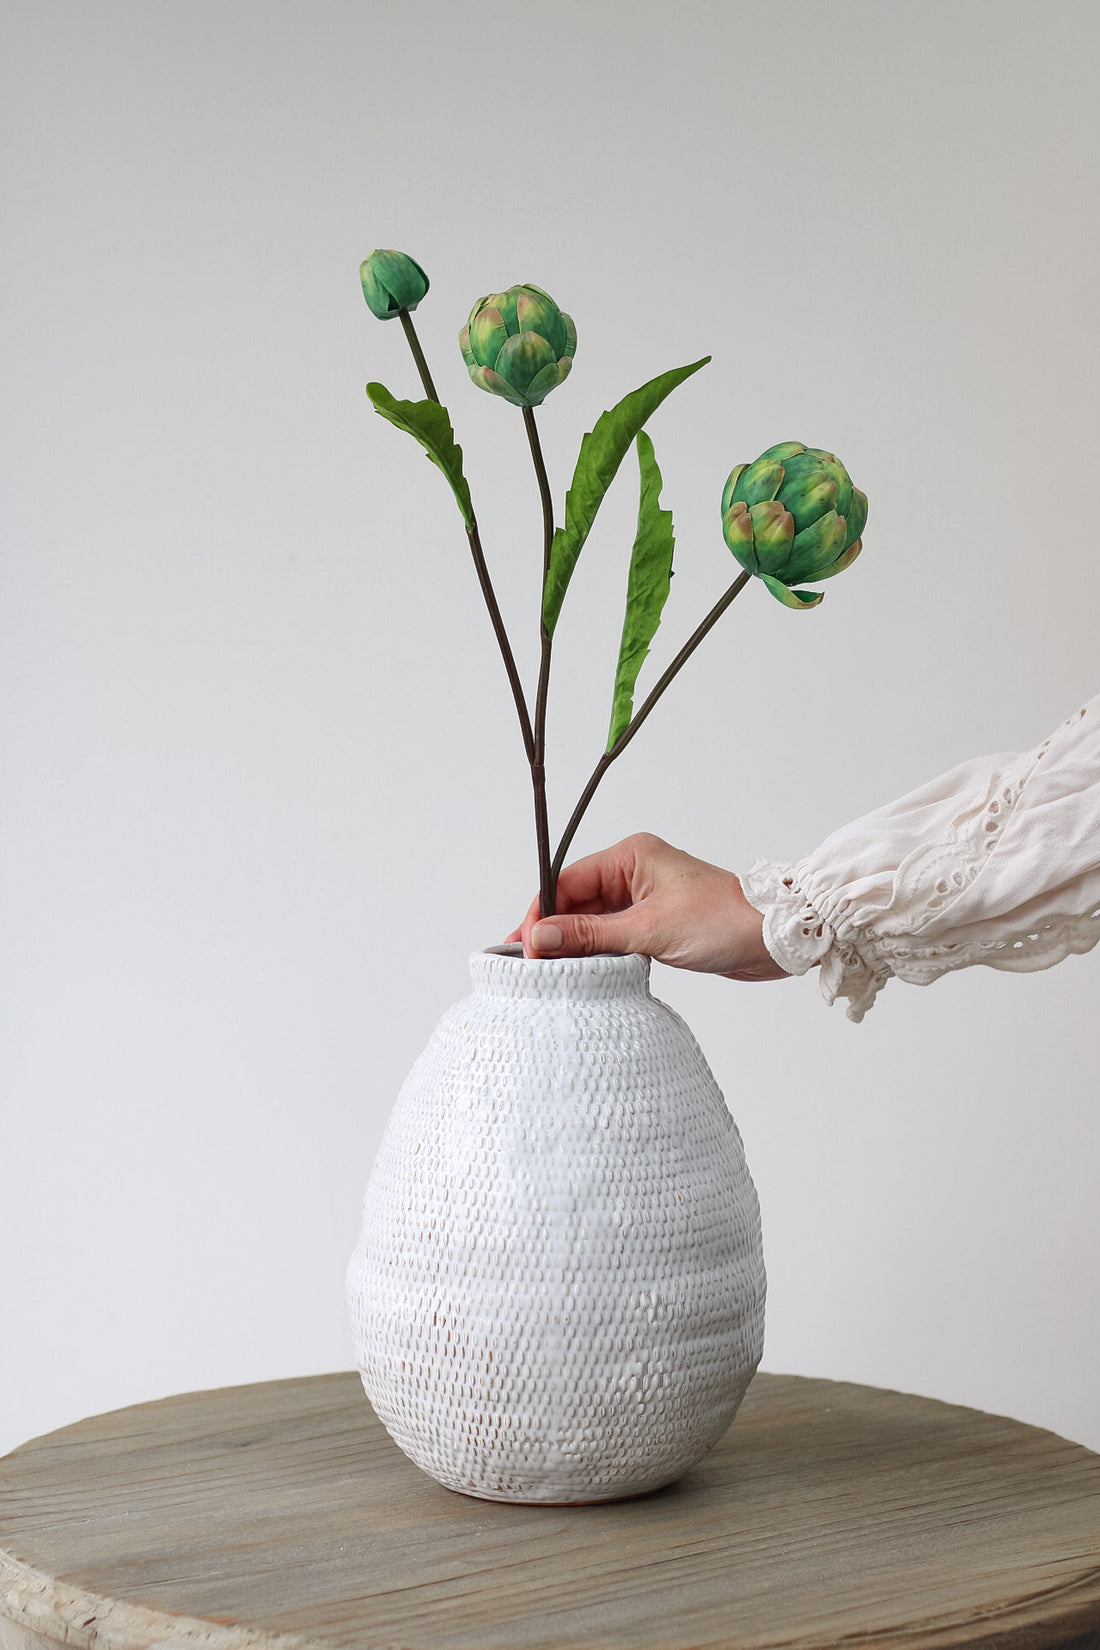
644 896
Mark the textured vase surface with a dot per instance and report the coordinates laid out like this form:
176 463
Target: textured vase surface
558 1294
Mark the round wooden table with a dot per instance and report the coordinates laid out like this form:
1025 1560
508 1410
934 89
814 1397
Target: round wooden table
282 1515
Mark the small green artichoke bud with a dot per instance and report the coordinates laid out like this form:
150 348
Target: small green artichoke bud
392 281
518 344
793 514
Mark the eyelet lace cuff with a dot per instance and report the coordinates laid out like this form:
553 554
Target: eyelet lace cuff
799 938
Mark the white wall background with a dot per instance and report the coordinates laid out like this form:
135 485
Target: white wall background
262 793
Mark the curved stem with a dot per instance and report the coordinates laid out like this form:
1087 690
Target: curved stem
578 814
480 565
538 761
635 723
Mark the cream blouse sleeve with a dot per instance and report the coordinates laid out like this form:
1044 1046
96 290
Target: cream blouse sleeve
996 862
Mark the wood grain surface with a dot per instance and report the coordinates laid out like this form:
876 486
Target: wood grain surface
282 1515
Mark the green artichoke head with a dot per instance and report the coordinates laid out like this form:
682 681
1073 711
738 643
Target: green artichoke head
518 344
791 515
392 281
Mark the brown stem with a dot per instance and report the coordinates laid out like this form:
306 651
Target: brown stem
480 565
538 761
502 640
418 355
635 723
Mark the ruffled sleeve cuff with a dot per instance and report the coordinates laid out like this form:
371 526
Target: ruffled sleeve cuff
798 938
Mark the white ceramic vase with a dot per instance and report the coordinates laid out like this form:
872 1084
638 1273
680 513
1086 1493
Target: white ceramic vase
558 1294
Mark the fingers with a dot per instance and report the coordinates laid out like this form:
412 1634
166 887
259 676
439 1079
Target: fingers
523 932
586 935
599 882
598 886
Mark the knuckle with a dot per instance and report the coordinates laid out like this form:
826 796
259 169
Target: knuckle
584 936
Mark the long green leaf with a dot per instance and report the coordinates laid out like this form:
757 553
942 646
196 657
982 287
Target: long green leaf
602 451
647 587
430 424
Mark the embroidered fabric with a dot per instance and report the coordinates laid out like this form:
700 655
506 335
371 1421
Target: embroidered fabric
996 862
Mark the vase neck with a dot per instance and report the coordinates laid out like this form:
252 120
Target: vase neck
503 971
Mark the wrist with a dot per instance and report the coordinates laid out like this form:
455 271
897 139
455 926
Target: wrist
755 961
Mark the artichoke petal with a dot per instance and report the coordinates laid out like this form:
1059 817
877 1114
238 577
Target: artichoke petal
570 347
845 559
467 353
409 282
737 532
506 302
731 484
808 496
797 599
546 379
376 295
523 355
760 480
773 534
783 450
843 485
815 548
486 379
488 335
802 464
831 463
856 516
536 312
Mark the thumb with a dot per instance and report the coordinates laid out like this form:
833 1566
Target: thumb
584 935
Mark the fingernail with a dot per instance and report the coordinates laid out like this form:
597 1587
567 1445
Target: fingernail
547 936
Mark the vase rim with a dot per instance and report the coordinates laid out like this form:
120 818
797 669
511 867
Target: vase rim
503 970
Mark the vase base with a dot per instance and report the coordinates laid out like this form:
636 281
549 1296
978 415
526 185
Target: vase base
585 1501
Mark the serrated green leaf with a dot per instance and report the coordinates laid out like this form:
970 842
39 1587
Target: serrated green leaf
430 424
602 451
647 587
